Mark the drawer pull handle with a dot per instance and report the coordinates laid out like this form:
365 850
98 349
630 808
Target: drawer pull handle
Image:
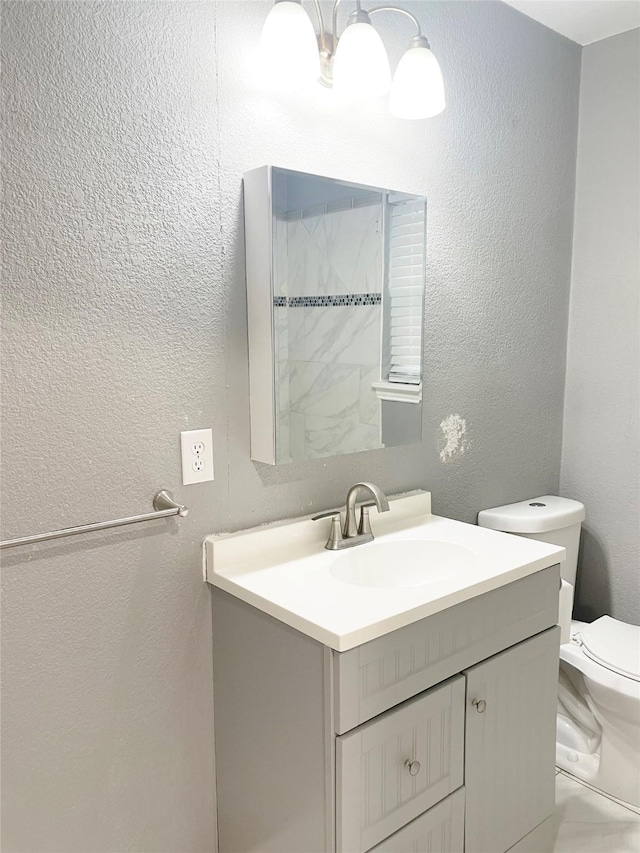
480 705
412 766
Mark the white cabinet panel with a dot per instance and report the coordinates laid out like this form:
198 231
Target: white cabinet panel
377 793
386 671
510 743
440 830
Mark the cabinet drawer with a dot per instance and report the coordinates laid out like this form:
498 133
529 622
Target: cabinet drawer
440 830
384 672
376 794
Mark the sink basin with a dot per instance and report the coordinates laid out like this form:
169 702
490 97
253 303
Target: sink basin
402 564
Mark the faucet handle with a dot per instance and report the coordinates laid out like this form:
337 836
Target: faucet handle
330 513
365 524
335 534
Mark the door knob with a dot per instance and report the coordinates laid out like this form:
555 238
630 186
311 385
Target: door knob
412 766
480 705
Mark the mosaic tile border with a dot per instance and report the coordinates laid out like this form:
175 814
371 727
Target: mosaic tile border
327 301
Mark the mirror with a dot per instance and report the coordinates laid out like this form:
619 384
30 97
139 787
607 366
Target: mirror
335 292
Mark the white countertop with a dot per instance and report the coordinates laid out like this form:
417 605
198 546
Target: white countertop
284 570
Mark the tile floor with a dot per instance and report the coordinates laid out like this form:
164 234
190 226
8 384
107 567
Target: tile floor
588 822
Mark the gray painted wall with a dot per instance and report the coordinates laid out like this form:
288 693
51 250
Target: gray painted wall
600 455
129 126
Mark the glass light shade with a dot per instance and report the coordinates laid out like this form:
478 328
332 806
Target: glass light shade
289 55
361 66
418 88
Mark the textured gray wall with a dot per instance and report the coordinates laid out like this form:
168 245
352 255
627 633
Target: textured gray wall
600 456
128 129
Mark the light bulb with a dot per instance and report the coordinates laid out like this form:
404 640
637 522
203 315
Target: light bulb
418 88
361 66
288 47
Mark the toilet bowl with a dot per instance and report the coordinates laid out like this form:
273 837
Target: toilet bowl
598 722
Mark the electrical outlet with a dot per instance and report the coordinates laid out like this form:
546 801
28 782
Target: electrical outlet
197 456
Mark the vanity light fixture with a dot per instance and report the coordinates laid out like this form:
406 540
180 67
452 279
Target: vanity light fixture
288 46
355 65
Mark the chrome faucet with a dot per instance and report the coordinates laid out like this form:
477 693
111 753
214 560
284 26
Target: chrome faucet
354 533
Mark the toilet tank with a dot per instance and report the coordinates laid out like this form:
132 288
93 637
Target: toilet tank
548 518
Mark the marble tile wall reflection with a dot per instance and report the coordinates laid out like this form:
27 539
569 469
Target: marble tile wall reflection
335 252
328 355
280 320
343 335
280 257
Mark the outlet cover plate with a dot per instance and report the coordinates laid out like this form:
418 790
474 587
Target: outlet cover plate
196 446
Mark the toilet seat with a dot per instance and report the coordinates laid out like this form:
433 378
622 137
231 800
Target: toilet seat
614 645
574 653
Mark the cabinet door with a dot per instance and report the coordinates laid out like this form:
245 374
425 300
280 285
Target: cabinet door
510 743
395 767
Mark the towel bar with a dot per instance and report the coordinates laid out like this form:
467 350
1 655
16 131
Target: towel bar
163 504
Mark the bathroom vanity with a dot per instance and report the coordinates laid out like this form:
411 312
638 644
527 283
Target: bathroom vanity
379 718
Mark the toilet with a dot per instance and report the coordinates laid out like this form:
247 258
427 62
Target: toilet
598 723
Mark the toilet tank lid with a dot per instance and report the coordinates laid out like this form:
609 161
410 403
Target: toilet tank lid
535 515
614 644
